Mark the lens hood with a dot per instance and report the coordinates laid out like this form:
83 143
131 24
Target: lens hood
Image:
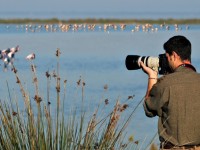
131 62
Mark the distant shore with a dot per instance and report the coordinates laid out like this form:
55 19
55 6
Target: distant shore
99 21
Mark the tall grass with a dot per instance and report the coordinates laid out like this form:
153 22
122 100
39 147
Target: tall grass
29 128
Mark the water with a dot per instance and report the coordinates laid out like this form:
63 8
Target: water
97 56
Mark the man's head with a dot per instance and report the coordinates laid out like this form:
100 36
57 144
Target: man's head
178 51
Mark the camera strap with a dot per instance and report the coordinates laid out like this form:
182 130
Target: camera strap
188 66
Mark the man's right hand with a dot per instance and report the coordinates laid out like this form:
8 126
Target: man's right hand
151 73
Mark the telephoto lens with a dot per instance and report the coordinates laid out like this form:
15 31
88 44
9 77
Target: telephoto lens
159 64
132 62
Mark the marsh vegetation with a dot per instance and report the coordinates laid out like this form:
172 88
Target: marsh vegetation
100 21
36 126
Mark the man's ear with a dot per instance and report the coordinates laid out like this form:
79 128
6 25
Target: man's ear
175 55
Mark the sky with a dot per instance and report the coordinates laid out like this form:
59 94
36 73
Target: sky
100 6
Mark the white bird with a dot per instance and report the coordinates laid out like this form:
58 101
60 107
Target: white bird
7 56
30 56
15 49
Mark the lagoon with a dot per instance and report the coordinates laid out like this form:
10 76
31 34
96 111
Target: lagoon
97 56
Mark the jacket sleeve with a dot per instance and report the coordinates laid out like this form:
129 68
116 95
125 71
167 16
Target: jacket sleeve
153 105
148 112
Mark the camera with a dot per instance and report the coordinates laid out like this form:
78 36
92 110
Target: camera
159 63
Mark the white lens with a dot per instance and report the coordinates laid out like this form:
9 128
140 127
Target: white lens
153 62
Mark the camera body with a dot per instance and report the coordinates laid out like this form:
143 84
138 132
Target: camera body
159 63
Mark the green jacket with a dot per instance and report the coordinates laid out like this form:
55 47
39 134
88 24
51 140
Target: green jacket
175 99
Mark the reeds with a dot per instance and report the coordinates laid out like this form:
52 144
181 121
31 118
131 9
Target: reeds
35 129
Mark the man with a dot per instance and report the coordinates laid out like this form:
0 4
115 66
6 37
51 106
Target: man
175 98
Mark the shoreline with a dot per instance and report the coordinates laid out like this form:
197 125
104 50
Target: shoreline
100 21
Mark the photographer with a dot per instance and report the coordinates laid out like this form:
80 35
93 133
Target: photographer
175 98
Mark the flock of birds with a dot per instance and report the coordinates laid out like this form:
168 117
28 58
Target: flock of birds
98 27
8 56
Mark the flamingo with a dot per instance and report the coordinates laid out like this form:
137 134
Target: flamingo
7 56
30 56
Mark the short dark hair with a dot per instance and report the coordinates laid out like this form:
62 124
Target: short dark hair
179 44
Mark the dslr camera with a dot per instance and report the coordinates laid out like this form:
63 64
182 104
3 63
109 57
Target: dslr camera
159 63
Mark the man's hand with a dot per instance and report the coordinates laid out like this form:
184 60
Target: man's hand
153 75
149 71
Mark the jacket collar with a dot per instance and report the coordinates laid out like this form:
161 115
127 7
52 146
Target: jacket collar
183 66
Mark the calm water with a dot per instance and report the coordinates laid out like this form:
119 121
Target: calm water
98 57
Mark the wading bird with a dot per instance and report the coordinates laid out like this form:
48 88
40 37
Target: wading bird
30 56
7 56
